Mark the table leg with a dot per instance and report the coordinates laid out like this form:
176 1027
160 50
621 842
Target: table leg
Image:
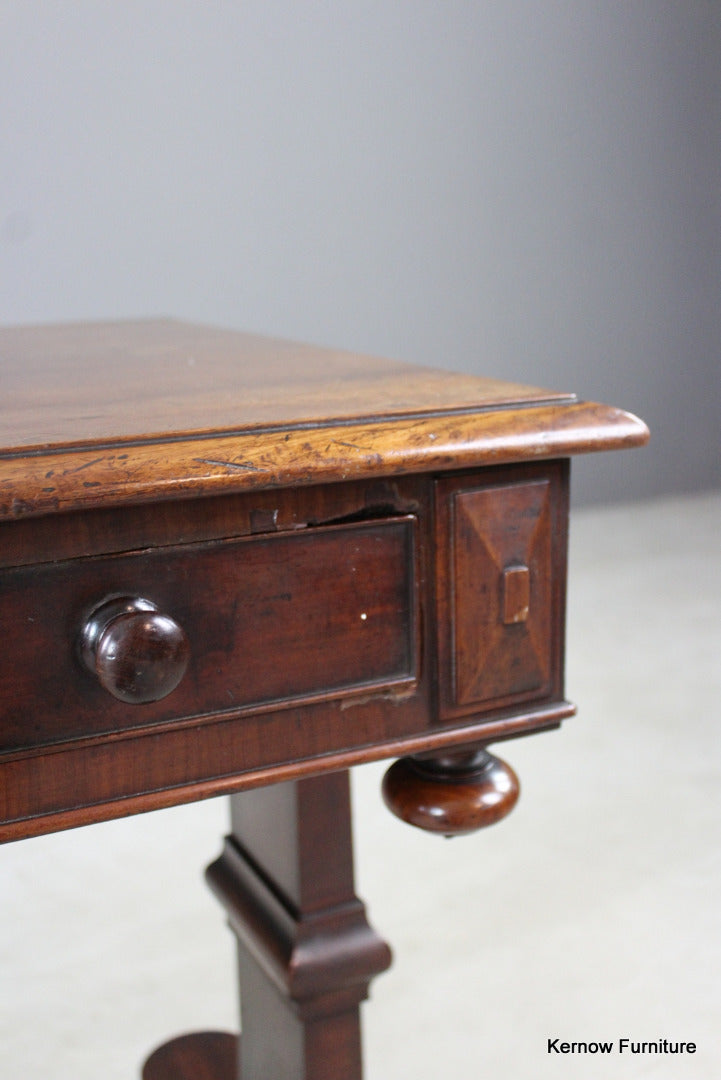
306 952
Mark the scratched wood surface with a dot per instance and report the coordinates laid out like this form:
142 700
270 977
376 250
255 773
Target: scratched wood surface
98 382
130 412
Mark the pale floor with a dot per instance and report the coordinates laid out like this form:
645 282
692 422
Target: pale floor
592 912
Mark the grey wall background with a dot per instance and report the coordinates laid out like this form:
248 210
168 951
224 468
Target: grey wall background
526 189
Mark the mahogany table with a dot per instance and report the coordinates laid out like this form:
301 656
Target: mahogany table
230 564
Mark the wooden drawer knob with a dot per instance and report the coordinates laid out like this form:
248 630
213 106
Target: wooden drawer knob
137 653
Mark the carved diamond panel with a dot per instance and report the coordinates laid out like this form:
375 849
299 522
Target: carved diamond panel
502 592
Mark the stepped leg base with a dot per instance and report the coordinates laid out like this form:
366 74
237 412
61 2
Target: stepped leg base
203 1055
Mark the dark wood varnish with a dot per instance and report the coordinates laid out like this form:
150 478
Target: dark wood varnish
501 572
306 952
230 564
137 653
277 619
203 1055
451 794
256 577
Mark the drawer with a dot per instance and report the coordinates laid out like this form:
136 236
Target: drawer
501 548
270 622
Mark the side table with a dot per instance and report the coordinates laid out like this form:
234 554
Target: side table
232 564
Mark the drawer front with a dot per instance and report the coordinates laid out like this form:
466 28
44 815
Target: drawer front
271 622
501 574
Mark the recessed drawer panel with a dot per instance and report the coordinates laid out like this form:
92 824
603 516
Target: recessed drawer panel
270 622
501 581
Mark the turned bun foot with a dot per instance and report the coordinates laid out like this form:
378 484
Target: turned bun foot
453 793
202 1055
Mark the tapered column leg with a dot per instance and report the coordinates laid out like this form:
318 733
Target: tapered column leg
306 952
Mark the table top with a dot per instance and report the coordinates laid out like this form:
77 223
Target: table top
109 413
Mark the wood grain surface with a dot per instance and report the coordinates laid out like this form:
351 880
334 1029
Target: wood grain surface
114 413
